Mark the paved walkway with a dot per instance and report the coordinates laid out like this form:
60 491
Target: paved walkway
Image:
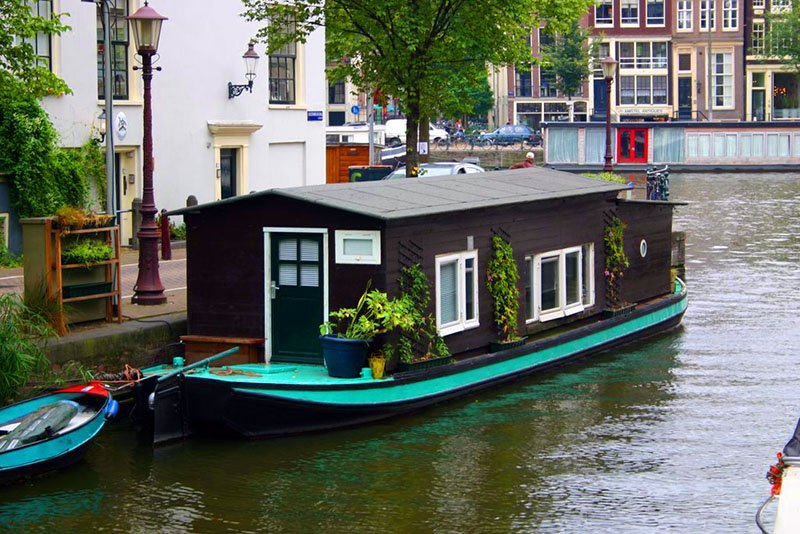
173 278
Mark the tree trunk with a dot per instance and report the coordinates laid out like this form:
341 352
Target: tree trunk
412 137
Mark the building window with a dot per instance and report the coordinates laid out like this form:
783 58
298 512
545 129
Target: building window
730 15
336 92
358 247
604 13
643 55
282 75
758 47
684 15
603 51
626 90
524 83
561 283
117 11
758 4
548 85
42 43
659 89
684 62
629 12
643 94
781 5
456 292
707 13
722 80
655 12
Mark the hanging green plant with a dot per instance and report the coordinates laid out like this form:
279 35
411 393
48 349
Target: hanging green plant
501 281
616 259
429 344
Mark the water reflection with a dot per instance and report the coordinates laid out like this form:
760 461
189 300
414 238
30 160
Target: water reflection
670 434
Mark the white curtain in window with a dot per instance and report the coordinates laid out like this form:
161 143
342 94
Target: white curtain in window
562 146
668 145
448 293
596 144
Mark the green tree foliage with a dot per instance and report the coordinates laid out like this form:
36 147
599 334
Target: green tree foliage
468 96
44 176
781 39
18 61
404 47
568 55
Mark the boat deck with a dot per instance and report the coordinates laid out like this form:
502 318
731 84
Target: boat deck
298 374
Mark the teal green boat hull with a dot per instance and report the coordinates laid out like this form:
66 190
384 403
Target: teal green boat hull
272 399
41 452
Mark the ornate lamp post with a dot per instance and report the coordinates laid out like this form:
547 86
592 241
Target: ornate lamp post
609 65
146 27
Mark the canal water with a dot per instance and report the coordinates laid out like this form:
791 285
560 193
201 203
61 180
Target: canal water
672 434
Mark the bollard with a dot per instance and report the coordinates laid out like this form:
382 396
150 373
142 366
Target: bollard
166 248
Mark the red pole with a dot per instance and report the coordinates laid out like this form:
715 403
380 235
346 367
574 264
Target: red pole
166 245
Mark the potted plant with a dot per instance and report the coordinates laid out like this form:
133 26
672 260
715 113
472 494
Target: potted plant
346 339
501 281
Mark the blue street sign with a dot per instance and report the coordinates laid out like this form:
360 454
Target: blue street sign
314 116
355 110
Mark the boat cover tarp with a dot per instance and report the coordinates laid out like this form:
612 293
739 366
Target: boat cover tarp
41 424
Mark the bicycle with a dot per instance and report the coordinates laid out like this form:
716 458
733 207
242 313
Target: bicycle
658 183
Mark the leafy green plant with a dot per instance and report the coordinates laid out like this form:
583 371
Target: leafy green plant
6 258
86 251
374 314
21 353
607 176
414 286
501 281
39 304
616 259
177 232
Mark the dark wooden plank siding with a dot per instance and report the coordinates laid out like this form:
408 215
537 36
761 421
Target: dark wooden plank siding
533 229
225 262
647 276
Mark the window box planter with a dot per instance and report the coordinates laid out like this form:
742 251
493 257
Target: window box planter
83 290
423 364
497 346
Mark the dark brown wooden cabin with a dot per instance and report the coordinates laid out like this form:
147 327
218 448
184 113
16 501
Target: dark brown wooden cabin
265 268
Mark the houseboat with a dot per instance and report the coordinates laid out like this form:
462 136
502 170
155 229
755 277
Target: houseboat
686 146
265 270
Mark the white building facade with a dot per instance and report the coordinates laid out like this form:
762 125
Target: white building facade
205 144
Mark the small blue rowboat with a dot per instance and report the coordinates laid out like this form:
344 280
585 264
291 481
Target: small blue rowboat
51 431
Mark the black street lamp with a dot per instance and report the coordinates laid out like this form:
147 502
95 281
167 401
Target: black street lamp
250 58
609 65
146 27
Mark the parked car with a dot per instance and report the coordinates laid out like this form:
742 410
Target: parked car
443 168
396 133
511 134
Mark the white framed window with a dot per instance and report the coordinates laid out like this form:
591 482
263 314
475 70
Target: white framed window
358 247
758 4
457 292
655 12
604 13
561 283
684 15
730 15
643 55
722 80
629 12
758 38
707 13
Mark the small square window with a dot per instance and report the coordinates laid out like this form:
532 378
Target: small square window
358 246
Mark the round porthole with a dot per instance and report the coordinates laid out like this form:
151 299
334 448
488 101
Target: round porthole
643 248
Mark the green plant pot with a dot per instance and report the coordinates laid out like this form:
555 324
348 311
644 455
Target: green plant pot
344 358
